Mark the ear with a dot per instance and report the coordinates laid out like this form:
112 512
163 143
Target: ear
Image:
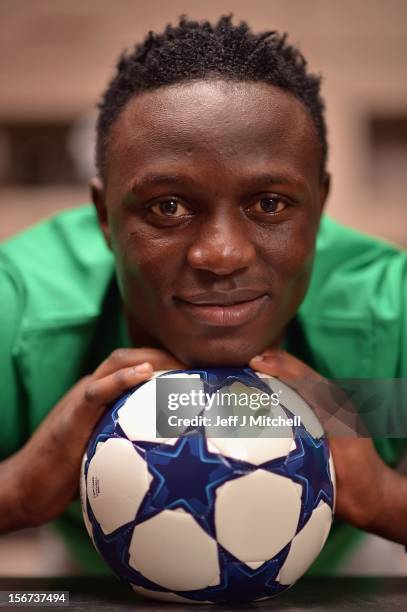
324 188
99 201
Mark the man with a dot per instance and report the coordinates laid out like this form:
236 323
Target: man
211 156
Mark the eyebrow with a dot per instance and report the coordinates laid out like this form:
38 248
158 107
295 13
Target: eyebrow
152 179
273 178
159 179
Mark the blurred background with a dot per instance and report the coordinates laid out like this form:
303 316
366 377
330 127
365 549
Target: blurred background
56 58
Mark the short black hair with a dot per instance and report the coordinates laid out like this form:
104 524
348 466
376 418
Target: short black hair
195 50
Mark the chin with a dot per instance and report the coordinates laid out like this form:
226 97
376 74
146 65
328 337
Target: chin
218 356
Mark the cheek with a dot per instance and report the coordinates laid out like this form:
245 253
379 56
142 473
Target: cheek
290 254
143 269
296 261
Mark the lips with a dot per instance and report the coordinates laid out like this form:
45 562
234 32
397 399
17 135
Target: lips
224 309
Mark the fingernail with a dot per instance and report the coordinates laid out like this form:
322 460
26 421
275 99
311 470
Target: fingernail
257 358
143 367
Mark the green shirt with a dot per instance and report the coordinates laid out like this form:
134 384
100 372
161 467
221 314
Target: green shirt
61 316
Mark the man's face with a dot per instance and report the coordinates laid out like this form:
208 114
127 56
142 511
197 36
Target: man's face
211 205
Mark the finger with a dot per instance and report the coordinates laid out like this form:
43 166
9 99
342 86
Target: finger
279 363
98 393
275 365
128 357
336 414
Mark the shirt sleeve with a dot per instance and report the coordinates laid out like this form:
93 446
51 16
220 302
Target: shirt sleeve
402 373
394 449
13 419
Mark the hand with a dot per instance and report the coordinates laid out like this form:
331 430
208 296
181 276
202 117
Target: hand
366 488
45 472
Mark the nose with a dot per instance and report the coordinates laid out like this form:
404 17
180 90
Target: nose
222 246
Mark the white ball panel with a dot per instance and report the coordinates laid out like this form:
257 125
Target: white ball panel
212 448
253 450
167 374
306 545
118 479
161 596
254 564
137 417
266 445
256 515
172 550
296 404
157 373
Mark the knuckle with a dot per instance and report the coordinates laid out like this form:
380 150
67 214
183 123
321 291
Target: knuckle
119 355
121 377
91 394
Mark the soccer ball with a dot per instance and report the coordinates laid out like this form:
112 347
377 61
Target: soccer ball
203 519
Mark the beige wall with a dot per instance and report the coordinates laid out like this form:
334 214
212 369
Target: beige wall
56 57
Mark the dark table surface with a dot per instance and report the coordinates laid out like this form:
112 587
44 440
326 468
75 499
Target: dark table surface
319 594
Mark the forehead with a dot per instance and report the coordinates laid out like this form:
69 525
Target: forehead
226 122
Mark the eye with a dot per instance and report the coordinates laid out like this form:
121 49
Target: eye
272 205
169 208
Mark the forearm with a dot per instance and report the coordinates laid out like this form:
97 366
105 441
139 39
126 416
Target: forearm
11 518
389 519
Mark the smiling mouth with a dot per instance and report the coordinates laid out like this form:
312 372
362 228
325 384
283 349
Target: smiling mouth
224 315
